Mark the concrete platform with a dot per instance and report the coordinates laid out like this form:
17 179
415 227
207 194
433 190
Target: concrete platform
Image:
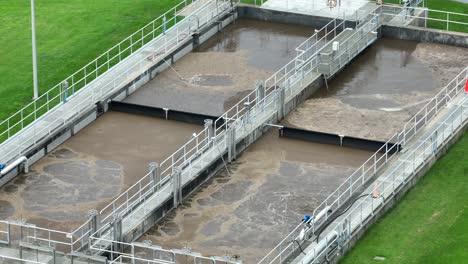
268 190
380 90
90 168
338 8
224 69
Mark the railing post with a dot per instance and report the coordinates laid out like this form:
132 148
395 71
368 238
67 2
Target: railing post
260 90
280 103
155 176
231 142
93 215
117 232
176 182
209 129
448 18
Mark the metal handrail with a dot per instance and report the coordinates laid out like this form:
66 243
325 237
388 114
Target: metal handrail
403 13
16 145
81 75
423 147
373 164
80 234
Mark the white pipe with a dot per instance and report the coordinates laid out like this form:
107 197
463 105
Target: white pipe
322 245
321 214
16 163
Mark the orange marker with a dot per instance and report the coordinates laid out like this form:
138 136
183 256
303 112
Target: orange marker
466 86
375 193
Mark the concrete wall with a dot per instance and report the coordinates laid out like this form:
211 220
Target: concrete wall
426 35
254 12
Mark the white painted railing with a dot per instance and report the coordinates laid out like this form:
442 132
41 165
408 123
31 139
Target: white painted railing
142 253
91 71
428 18
358 179
72 103
82 99
407 166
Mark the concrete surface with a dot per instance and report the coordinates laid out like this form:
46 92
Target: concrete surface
334 8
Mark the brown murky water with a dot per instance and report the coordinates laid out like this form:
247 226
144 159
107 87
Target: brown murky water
89 169
270 187
380 90
223 69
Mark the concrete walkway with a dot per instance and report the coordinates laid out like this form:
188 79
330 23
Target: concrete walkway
318 7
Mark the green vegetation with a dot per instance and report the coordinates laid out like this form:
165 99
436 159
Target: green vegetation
253 2
70 34
444 5
430 225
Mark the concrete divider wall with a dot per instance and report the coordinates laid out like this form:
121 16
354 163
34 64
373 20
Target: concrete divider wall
426 35
253 12
335 139
167 114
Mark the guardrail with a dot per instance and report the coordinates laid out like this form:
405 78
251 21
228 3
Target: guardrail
436 19
285 78
407 167
130 204
8 259
70 242
361 38
146 253
72 102
34 235
202 142
368 170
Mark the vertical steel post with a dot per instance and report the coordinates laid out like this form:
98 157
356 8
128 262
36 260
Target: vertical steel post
280 103
93 214
117 232
209 129
260 90
155 176
177 192
34 51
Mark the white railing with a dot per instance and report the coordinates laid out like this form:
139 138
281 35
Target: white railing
352 45
240 117
303 64
197 146
406 168
432 18
90 71
70 242
9 259
35 235
127 201
369 169
142 253
73 104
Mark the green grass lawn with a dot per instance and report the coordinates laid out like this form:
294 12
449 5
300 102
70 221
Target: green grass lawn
444 5
430 225
70 34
